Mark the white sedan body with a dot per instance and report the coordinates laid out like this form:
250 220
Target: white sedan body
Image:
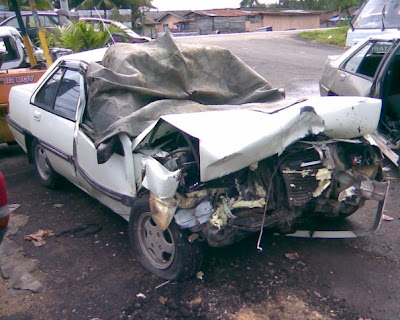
225 147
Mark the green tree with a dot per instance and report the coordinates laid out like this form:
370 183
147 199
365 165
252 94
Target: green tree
98 4
138 7
80 36
251 4
24 4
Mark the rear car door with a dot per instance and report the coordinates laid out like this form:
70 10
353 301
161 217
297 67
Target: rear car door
356 75
53 116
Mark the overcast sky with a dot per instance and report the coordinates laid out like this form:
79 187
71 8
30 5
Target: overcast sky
163 5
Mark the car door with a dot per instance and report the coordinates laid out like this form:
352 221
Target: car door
53 116
107 175
356 75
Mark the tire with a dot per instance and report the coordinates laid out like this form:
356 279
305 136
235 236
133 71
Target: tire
46 173
176 258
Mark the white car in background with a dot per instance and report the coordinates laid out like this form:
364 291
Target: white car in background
370 69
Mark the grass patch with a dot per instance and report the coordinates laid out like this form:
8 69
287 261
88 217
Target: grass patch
335 36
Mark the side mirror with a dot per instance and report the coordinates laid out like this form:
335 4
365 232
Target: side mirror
106 149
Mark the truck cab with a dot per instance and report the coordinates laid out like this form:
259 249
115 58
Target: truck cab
14 70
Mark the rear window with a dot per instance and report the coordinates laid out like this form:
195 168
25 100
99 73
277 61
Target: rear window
366 61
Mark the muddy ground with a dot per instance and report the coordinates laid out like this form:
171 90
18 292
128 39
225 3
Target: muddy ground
88 271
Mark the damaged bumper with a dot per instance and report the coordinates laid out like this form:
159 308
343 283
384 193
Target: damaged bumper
269 169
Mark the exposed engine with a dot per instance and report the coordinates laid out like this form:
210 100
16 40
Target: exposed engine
312 177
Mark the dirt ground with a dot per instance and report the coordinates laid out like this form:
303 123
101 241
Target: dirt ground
89 272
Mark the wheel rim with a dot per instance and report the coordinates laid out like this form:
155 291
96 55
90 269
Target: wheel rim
157 245
42 163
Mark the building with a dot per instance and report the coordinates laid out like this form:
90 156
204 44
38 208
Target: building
244 20
167 20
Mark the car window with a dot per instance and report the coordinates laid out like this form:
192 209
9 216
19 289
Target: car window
47 94
50 21
366 61
68 94
14 22
60 94
9 46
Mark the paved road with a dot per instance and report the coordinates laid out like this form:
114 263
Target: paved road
280 57
90 272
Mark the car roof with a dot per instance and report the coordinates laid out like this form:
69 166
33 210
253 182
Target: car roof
29 14
89 56
387 36
7 31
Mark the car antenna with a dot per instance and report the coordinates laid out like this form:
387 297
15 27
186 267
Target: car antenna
351 23
104 25
383 17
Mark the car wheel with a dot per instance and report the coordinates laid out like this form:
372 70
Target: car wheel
46 173
167 254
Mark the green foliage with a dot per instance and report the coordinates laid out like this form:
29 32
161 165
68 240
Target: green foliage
251 4
115 15
336 36
24 4
80 36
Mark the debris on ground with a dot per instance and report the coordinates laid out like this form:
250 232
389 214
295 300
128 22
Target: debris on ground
58 205
292 255
162 284
385 217
38 238
199 275
13 207
141 295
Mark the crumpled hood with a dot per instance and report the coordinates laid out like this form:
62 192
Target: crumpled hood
234 139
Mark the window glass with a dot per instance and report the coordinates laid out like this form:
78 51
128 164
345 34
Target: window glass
6 45
68 94
14 22
46 95
50 21
354 62
379 14
367 60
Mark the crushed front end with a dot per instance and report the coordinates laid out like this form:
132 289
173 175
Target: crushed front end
314 176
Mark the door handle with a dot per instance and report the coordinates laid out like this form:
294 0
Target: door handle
36 116
342 76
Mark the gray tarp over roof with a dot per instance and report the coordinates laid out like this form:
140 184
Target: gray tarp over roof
137 83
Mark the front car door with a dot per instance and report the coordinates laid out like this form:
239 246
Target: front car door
356 75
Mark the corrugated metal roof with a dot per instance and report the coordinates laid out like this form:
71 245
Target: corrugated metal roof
242 12
224 13
158 14
290 12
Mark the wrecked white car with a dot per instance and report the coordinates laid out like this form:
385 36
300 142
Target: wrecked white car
192 147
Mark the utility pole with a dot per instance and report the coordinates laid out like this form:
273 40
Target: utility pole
64 5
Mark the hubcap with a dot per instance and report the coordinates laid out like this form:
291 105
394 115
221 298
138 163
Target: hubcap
42 163
157 245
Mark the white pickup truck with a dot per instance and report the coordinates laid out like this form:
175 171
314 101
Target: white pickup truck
196 173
